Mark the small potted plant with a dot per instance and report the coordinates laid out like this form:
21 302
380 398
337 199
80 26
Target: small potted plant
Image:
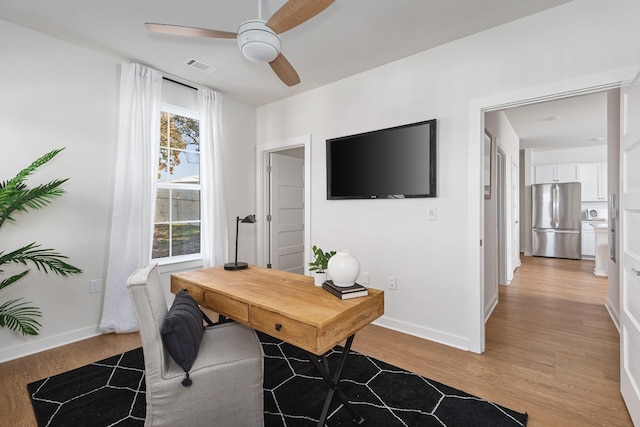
319 264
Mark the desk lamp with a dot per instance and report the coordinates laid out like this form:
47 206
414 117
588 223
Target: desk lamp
249 219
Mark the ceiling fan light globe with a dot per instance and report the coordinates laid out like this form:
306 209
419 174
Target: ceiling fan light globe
258 42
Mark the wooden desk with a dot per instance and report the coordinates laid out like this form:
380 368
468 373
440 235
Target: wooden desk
284 305
289 307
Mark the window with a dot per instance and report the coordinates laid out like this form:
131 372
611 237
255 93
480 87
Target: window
177 217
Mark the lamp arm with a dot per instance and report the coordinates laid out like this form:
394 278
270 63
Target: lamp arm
237 225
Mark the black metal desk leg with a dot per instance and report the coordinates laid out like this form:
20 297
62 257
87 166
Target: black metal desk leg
333 383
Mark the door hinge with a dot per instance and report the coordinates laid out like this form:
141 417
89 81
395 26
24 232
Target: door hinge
480 242
268 217
269 169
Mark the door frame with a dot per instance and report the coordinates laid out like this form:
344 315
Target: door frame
477 107
501 213
262 194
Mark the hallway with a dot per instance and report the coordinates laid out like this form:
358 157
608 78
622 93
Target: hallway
552 324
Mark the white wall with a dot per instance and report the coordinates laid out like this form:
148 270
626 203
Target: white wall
570 155
48 101
437 281
55 94
499 126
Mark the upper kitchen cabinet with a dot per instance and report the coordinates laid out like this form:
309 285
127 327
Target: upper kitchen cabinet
594 181
566 172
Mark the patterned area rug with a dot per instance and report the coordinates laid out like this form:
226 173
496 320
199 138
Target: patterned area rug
111 392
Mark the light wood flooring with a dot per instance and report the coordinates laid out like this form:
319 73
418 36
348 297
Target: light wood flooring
552 351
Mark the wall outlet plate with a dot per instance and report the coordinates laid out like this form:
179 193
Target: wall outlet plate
95 286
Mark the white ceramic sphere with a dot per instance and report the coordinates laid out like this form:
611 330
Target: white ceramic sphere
343 269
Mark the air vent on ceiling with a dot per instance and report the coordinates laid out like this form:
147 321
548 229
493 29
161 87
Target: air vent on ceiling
200 66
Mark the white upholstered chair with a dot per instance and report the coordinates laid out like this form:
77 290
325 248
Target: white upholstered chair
227 374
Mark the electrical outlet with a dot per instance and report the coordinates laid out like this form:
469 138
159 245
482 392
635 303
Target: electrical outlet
95 286
392 283
365 277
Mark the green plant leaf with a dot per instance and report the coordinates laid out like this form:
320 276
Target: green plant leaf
14 195
44 259
18 316
13 279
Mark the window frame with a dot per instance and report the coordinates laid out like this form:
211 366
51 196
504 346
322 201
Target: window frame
169 108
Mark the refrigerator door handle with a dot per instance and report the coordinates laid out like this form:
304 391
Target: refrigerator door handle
552 230
555 196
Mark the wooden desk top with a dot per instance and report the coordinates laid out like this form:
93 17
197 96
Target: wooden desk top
284 305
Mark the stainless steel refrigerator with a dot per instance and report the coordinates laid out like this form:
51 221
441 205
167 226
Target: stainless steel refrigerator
556 220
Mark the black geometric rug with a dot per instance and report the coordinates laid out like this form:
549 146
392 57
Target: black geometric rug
111 392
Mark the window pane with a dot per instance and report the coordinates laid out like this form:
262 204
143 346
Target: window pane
185 205
186 239
179 166
164 116
162 205
160 241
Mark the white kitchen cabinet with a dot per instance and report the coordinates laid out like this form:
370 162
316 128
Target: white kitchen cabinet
564 172
594 181
588 240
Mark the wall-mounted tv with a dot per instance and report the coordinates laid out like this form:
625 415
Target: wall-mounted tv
393 163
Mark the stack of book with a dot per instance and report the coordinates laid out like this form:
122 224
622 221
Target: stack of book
345 292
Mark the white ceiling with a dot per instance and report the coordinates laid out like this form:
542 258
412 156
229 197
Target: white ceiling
579 121
349 37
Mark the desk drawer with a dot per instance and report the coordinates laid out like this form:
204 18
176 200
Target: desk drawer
292 331
195 291
227 306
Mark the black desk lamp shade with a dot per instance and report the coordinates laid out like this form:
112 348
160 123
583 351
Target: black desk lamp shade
239 265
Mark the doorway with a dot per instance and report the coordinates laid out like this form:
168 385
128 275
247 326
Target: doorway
288 198
478 108
285 215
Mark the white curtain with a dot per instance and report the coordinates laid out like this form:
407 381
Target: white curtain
134 193
214 213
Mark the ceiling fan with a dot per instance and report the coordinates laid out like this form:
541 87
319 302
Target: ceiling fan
258 39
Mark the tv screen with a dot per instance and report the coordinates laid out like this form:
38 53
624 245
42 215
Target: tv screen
393 163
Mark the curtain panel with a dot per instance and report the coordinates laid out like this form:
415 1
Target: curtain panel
214 227
134 192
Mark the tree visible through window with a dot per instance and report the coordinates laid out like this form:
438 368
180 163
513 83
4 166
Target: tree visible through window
177 218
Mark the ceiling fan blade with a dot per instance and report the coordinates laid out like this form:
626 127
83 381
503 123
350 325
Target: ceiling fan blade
284 70
295 12
178 30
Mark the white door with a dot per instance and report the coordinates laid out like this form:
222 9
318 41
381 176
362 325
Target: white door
287 213
515 219
630 250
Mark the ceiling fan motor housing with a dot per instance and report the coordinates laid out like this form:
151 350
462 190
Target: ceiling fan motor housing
258 42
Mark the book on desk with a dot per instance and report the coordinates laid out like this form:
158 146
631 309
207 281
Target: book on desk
354 291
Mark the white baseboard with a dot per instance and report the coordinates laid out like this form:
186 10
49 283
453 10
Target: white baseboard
461 343
33 347
488 310
615 316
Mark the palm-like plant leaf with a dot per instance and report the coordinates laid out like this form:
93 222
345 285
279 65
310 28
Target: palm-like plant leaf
12 279
18 316
44 259
20 199
15 196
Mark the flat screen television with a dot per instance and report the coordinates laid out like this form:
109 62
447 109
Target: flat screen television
393 163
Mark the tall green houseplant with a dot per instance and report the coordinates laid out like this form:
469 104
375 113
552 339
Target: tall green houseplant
16 197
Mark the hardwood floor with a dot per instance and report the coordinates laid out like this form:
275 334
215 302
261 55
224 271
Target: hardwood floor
552 351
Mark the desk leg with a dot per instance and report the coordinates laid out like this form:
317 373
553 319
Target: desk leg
333 383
